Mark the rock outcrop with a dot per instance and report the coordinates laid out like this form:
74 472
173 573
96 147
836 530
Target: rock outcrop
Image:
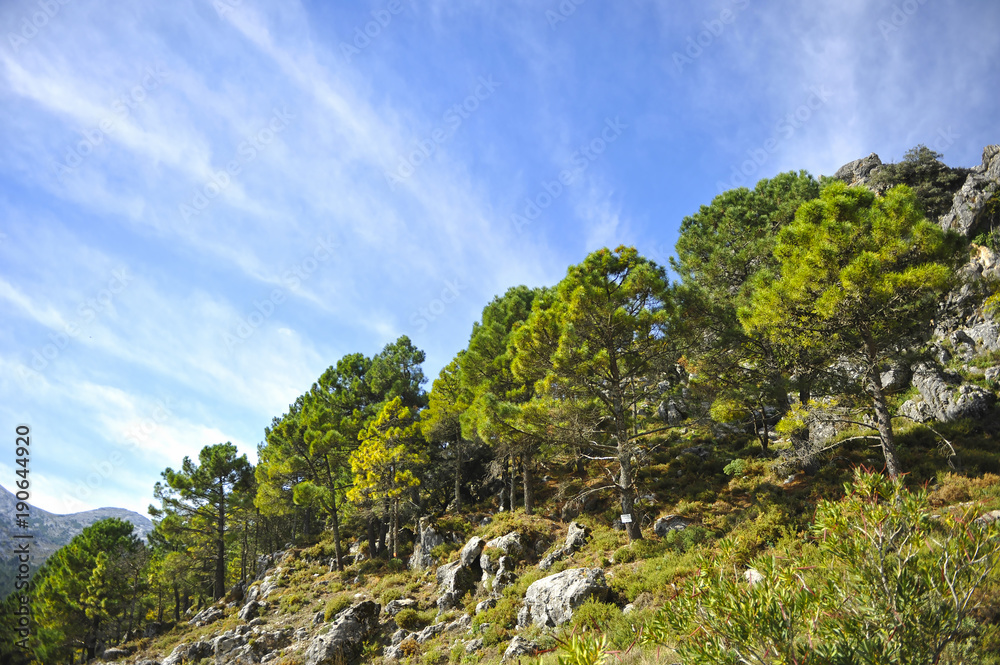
552 600
518 647
347 634
971 204
576 538
427 539
665 525
860 171
459 577
943 398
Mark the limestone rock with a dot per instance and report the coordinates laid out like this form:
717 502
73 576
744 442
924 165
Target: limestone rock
576 537
206 616
427 540
519 647
967 210
487 604
469 556
250 611
394 607
942 399
665 525
551 600
510 544
473 646
454 581
987 518
189 652
860 171
114 654
344 639
505 575
753 576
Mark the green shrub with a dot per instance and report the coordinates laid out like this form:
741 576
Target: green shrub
605 619
502 615
410 619
682 540
291 602
886 584
335 606
624 555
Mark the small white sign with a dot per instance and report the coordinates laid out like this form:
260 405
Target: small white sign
626 519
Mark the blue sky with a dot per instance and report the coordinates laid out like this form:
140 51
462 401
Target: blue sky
203 204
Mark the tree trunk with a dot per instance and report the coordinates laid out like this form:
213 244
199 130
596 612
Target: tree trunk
627 493
529 495
883 422
395 528
883 419
458 473
177 604
336 530
513 483
372 537
220 546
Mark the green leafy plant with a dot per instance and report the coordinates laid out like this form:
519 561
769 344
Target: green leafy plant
896 587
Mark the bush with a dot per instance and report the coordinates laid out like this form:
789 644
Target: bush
624 555
335 606
410 619
890 585
604 619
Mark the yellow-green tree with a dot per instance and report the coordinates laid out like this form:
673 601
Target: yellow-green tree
384 461
860 280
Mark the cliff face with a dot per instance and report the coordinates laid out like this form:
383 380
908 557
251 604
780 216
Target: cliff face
51 532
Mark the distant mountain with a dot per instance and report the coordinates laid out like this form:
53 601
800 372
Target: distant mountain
50 532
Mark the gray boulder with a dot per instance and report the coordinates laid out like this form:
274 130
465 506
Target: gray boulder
551 600
942 399
665 525
394 607
576 536
454 581
427 539
346 635
206 616
189 652
969 206
509 544
250 611
518 647
860 171
505 575
469 556
114 654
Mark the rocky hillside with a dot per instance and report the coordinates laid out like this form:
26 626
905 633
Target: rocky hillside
52 531
496 587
